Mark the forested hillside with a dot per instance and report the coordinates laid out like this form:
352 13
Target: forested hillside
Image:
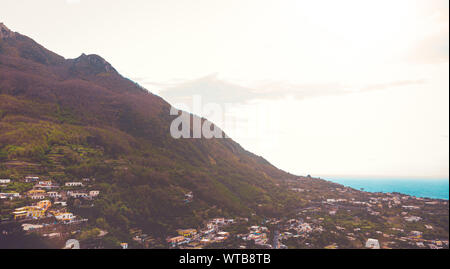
66 119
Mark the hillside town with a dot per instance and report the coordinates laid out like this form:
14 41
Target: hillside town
363 220
41 205
313 223
347 218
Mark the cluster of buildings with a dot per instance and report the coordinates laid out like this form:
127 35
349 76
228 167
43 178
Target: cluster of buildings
41 210
362 220
196 238
258 234
4 181
142 238
47 194
35 211
44 189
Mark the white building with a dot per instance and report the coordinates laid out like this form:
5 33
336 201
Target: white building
31 179
77 194
74 184
66 216
372 243
54 194
410 207
94 193
5 181
37 196
27 226
413 219
10 195
219 221
61 203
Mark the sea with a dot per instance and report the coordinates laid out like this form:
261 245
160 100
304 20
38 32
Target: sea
426 188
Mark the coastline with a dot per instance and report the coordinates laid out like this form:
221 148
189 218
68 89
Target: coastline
424 188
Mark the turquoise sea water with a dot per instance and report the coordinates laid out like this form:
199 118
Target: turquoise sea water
430 188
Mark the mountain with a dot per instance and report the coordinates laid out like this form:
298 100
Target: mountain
69 119
72 118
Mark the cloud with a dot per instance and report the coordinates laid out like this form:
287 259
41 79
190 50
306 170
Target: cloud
213 89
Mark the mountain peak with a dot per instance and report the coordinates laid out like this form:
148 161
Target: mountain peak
5 32
93 63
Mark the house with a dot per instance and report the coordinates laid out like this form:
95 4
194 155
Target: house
29 212
229 221
9 195
124 245
372 243
44 204
219 239
420 244
20 213
410 207
28 227
35 192
188 197
36 211
52 235
94 193
5 181
223 234
77 194
74 184
37 196
31 179
61 203
205 241
54 194
412 219
176 239
187 232
45 185
219 221
63 216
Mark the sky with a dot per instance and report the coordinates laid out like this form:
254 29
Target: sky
328 88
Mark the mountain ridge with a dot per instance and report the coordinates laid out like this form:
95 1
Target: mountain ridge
49 104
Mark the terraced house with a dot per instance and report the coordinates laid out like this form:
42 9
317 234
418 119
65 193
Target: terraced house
74 184
36 211
187 232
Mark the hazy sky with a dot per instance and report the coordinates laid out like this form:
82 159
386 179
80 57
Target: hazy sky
328 88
